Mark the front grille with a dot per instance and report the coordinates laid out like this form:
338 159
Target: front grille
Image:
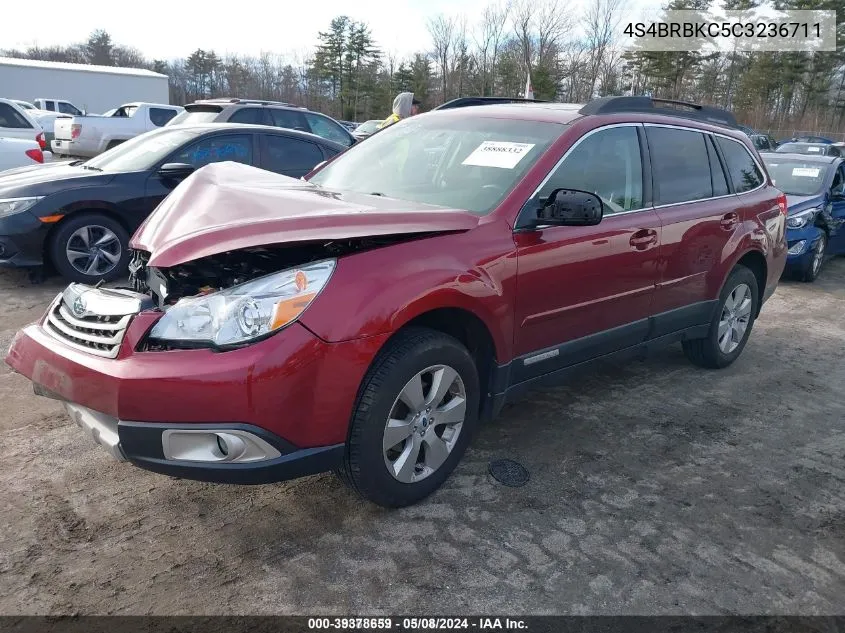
95 334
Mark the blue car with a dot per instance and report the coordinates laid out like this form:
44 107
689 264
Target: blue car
815 192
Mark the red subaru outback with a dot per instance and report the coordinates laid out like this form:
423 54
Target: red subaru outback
366 320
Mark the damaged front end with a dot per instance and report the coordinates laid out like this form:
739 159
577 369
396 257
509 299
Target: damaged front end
233 268
235 298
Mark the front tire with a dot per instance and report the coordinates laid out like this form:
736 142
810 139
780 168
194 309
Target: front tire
413 419
813 267
731 325
89 248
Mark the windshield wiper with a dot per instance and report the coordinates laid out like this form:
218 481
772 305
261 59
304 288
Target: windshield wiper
377 193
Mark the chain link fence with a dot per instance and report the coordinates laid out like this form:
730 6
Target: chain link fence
780 135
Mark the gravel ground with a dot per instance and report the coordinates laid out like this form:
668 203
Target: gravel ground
655 488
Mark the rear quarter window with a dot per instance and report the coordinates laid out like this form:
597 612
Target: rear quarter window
161 116
743 171
11 118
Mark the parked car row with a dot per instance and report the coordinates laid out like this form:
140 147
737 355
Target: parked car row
366 318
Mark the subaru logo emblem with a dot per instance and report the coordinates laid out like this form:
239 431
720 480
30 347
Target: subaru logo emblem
78 306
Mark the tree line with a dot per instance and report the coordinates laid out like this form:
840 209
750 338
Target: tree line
571 58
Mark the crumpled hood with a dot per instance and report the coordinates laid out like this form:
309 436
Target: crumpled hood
228 206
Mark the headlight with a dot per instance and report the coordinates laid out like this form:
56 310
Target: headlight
802 218
10 206
245 312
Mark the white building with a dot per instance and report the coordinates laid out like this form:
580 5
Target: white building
91 88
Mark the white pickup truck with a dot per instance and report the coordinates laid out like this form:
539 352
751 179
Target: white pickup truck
58 105
94 134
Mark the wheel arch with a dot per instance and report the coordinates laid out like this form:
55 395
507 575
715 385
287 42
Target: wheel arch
469 329
75 211
755 261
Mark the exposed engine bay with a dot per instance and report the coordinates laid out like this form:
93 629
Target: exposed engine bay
224 270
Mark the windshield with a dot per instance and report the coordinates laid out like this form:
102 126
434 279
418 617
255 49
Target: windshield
25 105
443 160
369 126
796 177
802 148
142 152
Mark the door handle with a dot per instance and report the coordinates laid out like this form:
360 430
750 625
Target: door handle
643 238
729 221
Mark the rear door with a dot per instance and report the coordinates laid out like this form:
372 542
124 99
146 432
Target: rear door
288 118
587 291
327 128
288 155
694 188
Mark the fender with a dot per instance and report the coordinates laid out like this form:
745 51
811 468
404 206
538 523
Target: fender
377 292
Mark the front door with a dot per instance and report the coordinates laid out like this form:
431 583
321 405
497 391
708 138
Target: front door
583 292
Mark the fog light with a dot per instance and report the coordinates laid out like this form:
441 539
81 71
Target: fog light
206 445
797 248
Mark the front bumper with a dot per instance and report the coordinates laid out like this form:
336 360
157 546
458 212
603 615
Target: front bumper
64 147
144 444
293 390
801 244
21 240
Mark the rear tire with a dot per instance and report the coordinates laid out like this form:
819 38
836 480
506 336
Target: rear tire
91 242
425 442
731 324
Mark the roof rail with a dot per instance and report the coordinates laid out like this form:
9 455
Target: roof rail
463 102
650 105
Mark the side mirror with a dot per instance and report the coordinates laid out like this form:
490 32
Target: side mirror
571 207
176 171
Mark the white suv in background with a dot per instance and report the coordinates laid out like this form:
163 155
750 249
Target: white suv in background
16 123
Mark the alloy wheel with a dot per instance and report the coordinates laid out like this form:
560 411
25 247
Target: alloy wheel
736 315
93 250
818 255
424 423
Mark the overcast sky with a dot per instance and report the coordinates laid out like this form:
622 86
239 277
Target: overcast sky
167 29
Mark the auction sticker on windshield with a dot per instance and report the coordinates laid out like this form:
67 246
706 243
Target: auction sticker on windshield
806 172
498 154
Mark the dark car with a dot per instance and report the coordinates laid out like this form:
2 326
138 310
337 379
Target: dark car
815 192
812 149
77 217
807 139
368 320
273 113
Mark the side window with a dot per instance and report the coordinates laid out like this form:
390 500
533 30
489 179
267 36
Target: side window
160 116
9 117
290 119
50 105
680 165
744 172
67 108
285 155
838 181
606 163
720 185
325 127
247 115
216 149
